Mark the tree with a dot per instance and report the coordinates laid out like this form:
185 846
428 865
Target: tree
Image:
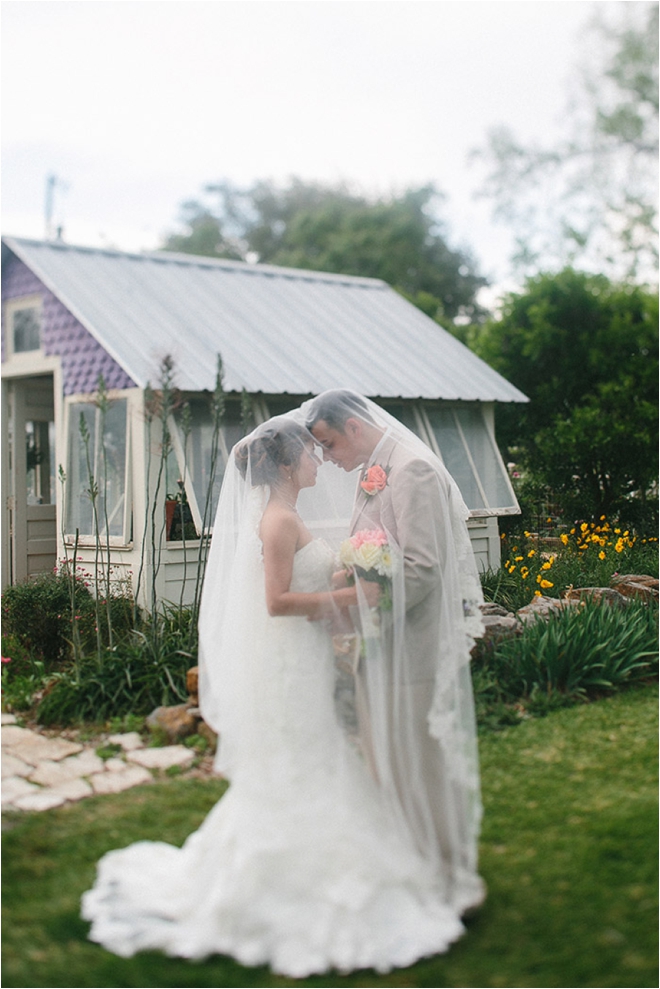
592 196
329 228
584 350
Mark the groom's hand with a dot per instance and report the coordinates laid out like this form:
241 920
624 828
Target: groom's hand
371 591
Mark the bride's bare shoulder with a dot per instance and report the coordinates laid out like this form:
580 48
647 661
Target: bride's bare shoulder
278 520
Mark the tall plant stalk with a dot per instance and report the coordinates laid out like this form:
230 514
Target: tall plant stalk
92 492
70 569
103 405
166 406
218 406
186 429
149 415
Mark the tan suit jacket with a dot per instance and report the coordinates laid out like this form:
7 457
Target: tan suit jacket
407 509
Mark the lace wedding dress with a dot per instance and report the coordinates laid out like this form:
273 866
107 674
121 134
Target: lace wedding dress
300 864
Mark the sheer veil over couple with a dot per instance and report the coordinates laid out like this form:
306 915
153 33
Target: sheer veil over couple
340 604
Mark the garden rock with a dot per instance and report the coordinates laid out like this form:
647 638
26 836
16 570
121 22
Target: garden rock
603 595
636 586
541 607
176 722
192 683
498 623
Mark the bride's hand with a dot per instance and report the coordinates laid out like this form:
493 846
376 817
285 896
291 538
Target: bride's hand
339 579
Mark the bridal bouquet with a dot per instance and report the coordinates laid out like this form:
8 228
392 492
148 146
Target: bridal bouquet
367 554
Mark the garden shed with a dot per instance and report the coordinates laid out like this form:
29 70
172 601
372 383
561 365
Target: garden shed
71 314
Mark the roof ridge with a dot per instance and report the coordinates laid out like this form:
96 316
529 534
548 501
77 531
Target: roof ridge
202 261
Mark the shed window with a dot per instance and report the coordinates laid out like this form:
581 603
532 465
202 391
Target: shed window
468 449
23 318
190 466
96 475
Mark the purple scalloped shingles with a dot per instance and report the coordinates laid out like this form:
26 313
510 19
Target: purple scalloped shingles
83 358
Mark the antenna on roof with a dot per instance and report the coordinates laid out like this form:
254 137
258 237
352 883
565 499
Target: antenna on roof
52 232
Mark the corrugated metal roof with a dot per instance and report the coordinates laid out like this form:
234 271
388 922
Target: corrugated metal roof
277 329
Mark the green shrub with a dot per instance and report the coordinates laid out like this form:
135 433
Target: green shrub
37 612
144 670
574 654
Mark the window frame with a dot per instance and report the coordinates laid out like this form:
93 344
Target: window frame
11 307
124 540
487 417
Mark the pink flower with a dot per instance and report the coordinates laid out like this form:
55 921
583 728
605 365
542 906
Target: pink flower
374 479
375 536
5 659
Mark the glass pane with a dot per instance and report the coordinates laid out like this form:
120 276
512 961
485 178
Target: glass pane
279 404
486 457
404 413
454 454
26 329
199 451
96 471
40 462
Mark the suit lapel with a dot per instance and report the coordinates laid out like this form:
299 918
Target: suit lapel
382 455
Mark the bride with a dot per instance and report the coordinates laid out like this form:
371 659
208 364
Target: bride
308 862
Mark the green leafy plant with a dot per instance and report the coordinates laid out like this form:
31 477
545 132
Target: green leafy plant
579 652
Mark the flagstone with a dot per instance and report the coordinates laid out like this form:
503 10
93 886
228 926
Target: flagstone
116 782
73 789
50 773
162 758
7 719
128 740
115 765
34 748
12 766
45 799
15 787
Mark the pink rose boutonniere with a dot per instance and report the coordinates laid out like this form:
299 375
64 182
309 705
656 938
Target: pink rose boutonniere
374 479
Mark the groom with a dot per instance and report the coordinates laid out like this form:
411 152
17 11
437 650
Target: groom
406 494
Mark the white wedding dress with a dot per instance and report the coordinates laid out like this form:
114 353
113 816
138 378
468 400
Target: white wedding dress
300 864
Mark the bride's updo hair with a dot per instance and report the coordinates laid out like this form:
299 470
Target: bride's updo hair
279 442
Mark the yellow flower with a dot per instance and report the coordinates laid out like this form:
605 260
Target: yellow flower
618 546
527 534
601 555
617 532
548 520
531 553
547 583
602 518
584 527
546 565
564 538
518 558
537 594
524 573
512 568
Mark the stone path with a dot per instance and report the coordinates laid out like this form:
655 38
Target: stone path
40 771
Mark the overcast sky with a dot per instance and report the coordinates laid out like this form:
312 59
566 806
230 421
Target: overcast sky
135 106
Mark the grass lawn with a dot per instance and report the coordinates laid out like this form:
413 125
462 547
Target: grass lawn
569 853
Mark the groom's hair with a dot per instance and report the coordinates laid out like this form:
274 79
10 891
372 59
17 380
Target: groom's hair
336 406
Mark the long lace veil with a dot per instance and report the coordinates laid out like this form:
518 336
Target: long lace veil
410 655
